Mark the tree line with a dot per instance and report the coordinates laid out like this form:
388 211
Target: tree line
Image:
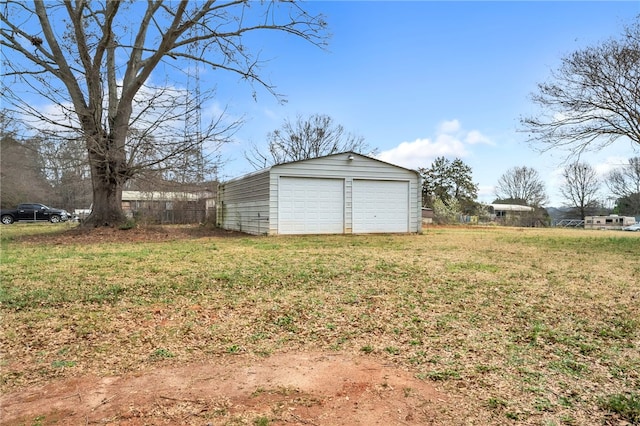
449 190
57 173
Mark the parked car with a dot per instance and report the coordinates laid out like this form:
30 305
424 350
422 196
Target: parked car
33 212
634 227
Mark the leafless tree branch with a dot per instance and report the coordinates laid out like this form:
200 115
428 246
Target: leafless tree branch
88 58
592 100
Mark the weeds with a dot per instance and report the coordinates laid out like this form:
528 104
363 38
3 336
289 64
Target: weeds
160 354
625 406
261 421
63 364
367 349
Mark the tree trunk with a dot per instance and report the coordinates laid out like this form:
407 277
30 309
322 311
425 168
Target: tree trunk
108 175
107 205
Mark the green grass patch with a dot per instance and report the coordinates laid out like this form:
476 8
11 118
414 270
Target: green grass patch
524 325
625 406
160 354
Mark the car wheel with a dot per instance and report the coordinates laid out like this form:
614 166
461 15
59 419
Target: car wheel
7 220
54 219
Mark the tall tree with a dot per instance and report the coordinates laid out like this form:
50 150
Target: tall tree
624 183
95 60
522 183
304 138
449 182
580 189
22 178
593 99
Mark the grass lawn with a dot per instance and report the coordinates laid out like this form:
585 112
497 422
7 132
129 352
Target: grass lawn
522 326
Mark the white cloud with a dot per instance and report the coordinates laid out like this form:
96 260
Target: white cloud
57 113
603 168
553 182
449 127
554 178
450 141
475 137
422 152
486 193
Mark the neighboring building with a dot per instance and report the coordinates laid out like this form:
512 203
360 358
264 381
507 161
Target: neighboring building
337 194
608 222
427 215
513 214
168 206
502 210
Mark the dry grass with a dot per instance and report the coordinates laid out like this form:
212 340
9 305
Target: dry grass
519 325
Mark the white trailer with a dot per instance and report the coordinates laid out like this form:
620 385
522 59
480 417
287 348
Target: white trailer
613 221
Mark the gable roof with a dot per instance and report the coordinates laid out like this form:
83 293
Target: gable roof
511 208
346 153
266 169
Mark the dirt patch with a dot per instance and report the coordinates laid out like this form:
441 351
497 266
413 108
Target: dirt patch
141 234
292 389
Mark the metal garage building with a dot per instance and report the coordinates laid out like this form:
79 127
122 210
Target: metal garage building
337 194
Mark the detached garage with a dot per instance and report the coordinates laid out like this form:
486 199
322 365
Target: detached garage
337 194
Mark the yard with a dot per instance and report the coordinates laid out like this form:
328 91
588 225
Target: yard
465 325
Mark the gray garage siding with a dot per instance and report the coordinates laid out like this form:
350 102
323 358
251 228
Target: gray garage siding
243 204
336 166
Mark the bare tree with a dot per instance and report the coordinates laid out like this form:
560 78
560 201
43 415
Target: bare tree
21 169
67 169
592 100
522 184
95 59
581 186
310 137
624 183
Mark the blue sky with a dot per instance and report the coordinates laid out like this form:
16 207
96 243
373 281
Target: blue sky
423 79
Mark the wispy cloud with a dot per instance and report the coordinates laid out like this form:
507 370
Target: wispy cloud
449 127
606 166
474 137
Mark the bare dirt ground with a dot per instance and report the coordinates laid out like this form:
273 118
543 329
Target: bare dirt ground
80 235
284 388
291 389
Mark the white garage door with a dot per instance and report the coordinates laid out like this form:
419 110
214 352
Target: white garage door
310 206
380 206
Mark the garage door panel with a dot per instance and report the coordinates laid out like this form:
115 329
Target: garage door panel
310 206
380 206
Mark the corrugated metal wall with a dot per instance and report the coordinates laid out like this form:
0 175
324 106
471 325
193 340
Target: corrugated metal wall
339 166
250 203
243 204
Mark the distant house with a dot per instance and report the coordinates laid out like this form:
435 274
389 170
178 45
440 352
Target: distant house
427 215
511 214
608 222
506 210
336 194
169 206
